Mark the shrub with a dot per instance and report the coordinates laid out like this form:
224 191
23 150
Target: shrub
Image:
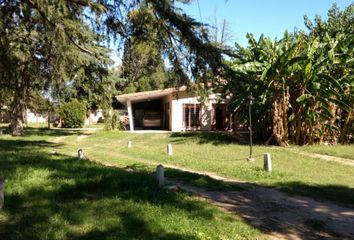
112 122
73 114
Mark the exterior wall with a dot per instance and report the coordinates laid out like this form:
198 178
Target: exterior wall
205 111
95 117
35 118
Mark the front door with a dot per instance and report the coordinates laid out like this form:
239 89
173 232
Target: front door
219 120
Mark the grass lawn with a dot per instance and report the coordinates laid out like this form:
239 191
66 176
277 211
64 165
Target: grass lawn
56 196
219 154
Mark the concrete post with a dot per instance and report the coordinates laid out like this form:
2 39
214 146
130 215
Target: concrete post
160 175
267 162
169 149
2 190
80 154
130 115
130 144
1 132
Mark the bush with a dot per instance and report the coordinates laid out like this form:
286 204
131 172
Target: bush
73 114
113 122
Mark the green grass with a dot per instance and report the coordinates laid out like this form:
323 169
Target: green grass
343 151
219 154
56 196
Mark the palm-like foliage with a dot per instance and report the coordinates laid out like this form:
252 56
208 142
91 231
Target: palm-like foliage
266 67
303 83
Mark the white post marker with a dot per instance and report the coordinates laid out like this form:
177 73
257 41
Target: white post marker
2 189
1 131
130 144
267 162
80 154
169 149
160 175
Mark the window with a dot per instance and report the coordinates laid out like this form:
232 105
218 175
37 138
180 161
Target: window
191 115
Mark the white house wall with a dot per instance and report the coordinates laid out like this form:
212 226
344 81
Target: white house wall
95 117
35 118
177 112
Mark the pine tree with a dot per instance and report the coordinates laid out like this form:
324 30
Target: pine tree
42 47
44 44
143 65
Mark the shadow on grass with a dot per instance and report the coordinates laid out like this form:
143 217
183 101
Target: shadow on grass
202 181
29 131
53 132
215 138
22 145
336 193
60 197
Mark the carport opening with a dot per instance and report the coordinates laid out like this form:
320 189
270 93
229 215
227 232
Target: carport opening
149 115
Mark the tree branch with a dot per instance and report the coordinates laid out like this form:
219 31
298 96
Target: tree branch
65 32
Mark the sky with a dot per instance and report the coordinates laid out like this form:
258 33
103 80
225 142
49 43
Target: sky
271 17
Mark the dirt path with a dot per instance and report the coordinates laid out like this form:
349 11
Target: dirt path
87 132
59 139
280 215
82 137
344 161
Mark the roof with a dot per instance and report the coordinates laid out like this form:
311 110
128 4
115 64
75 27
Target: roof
148 95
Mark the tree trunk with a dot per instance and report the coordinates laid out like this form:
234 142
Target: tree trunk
298 132
344 131
48 119
285 105
278 122
235 123
18 113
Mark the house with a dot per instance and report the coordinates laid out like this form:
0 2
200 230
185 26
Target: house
94 116
32 117
175 109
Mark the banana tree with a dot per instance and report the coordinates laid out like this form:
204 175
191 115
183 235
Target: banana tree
266 64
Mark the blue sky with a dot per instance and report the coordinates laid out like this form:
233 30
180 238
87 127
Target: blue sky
271 17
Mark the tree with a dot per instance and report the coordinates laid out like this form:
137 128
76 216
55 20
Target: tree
5 101
336 84
267 67
43 42
143 65
220 33
40 50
